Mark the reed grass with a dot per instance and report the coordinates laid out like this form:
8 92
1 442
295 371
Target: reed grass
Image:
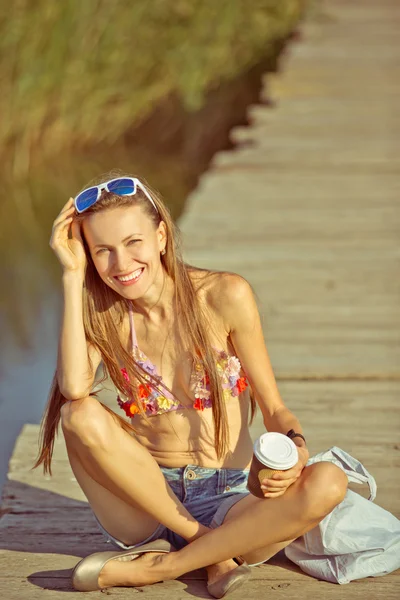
83 73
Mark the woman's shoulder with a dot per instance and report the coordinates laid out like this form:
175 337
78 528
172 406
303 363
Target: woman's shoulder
217 283
220 290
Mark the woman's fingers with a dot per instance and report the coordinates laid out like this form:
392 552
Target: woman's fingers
278 483
69 202
66 240
271 491
61 228
65 212
274 494
278 478
67 206
60 231
65 216
274 485
294 472
76 231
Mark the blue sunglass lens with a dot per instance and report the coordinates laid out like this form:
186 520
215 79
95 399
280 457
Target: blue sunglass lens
86 199
122 187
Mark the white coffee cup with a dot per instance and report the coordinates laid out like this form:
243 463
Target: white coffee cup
272 452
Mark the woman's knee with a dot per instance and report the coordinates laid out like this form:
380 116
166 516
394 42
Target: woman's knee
85 419
324 486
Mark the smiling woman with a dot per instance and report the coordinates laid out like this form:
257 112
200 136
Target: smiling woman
121 257
184 347
125 251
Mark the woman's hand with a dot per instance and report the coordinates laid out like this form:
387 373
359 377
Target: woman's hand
279 482
69 250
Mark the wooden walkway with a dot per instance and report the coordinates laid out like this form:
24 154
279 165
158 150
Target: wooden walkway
307 209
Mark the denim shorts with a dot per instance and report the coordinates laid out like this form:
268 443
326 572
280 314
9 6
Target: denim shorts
206 493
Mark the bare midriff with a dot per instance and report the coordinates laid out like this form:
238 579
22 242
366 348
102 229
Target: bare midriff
186 436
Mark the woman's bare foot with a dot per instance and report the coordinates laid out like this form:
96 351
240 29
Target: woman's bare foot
146 569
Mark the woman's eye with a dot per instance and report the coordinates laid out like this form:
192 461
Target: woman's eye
132 242
101 251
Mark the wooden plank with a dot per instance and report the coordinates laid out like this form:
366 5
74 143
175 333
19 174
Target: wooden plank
307 209
255 589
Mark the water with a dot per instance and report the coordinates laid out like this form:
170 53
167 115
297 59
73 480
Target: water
26 374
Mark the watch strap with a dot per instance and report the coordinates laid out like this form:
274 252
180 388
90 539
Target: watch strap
292 434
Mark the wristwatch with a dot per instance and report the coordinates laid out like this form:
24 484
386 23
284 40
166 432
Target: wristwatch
292 434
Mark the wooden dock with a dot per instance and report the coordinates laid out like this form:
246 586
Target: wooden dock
307 209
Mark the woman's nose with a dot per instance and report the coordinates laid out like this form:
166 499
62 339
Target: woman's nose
121 262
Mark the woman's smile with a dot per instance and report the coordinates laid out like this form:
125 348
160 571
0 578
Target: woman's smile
130 278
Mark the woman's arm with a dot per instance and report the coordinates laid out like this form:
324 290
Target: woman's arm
74 372
242 319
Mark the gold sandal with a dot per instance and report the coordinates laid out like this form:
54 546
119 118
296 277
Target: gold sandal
230 581
86 573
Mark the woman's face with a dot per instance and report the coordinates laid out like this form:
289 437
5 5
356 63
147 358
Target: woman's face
125 248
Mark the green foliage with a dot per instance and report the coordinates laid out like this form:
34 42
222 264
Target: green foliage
76 71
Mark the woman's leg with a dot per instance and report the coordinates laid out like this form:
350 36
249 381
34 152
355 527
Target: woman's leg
122 481
264 524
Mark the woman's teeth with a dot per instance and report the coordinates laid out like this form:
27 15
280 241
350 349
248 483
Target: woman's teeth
132 277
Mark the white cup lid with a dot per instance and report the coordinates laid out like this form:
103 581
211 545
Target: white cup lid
276 450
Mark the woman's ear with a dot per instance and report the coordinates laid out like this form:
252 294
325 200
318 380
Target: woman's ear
162 235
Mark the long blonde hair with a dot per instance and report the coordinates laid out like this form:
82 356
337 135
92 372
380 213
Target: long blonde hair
104 311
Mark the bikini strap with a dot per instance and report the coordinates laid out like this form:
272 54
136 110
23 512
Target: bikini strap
133 332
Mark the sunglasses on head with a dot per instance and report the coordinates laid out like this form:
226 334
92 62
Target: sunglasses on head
121 186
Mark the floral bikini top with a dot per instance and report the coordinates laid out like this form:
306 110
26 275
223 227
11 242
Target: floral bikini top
154 403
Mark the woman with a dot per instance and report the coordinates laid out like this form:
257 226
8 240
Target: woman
185 348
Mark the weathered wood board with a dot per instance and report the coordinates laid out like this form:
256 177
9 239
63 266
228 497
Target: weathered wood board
307 209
